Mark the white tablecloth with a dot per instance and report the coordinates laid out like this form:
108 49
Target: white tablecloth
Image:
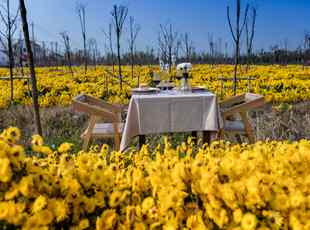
170 112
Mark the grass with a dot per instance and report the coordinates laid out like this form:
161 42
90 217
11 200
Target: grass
62 124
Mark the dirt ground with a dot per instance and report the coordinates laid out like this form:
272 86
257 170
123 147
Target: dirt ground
60 124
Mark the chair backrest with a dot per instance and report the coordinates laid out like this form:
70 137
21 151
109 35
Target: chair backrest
239 79
96 107
241 104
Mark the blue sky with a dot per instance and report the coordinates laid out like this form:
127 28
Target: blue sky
277 20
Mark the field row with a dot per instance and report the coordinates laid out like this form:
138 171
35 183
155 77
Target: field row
57 86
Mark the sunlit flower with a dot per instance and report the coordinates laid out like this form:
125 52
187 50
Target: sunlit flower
39 204
5 170
65 147
107 220
37 140
147 204
84 224
248 221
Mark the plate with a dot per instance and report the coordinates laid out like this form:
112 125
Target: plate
145 90
166 86
199 89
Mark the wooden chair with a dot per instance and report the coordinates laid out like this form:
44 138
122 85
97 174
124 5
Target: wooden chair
240 105
239 79
99 111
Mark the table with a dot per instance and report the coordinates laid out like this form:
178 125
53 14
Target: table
170 112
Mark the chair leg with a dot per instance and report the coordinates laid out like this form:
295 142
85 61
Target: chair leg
238 138
221 134
117 137
86 142
117 141
195 136
206 137
88 132
142 141
248 128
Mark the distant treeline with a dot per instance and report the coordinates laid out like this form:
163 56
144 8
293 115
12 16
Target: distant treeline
149 57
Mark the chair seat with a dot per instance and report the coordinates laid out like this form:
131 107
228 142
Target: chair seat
234 126
104 129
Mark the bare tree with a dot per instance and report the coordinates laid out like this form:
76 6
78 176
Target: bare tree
51 55
250 32
188 46
134 30
284 55
306 41
93 51
56 55
119 15
177 49
20 54
211 48
167 40
109 46
306 48
226 50
237 35
23 13
43 59
6 38
34 47
80 8
66 40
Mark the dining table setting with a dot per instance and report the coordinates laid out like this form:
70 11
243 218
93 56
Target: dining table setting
169 109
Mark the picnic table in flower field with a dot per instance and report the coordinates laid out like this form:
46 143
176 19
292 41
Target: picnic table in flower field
171 112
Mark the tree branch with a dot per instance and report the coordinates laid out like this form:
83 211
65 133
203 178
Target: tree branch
230 26
245 18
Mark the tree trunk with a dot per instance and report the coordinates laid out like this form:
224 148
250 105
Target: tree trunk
132 64
11 66
139 75
249 60
85 54
56 55
70 63
10 53
170 59
107 85
236 68
23 13
119 61
113 65
21 65
170 62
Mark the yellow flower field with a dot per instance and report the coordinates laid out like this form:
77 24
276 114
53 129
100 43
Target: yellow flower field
222 186
57 86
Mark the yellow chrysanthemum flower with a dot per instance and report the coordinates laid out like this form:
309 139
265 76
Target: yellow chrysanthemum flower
84 224
115 198
107 220
39 204
5 170
25 186
65 147
17 155
237 215
42 149
59 209
147 204
37 140
12 135
248 221
3 210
